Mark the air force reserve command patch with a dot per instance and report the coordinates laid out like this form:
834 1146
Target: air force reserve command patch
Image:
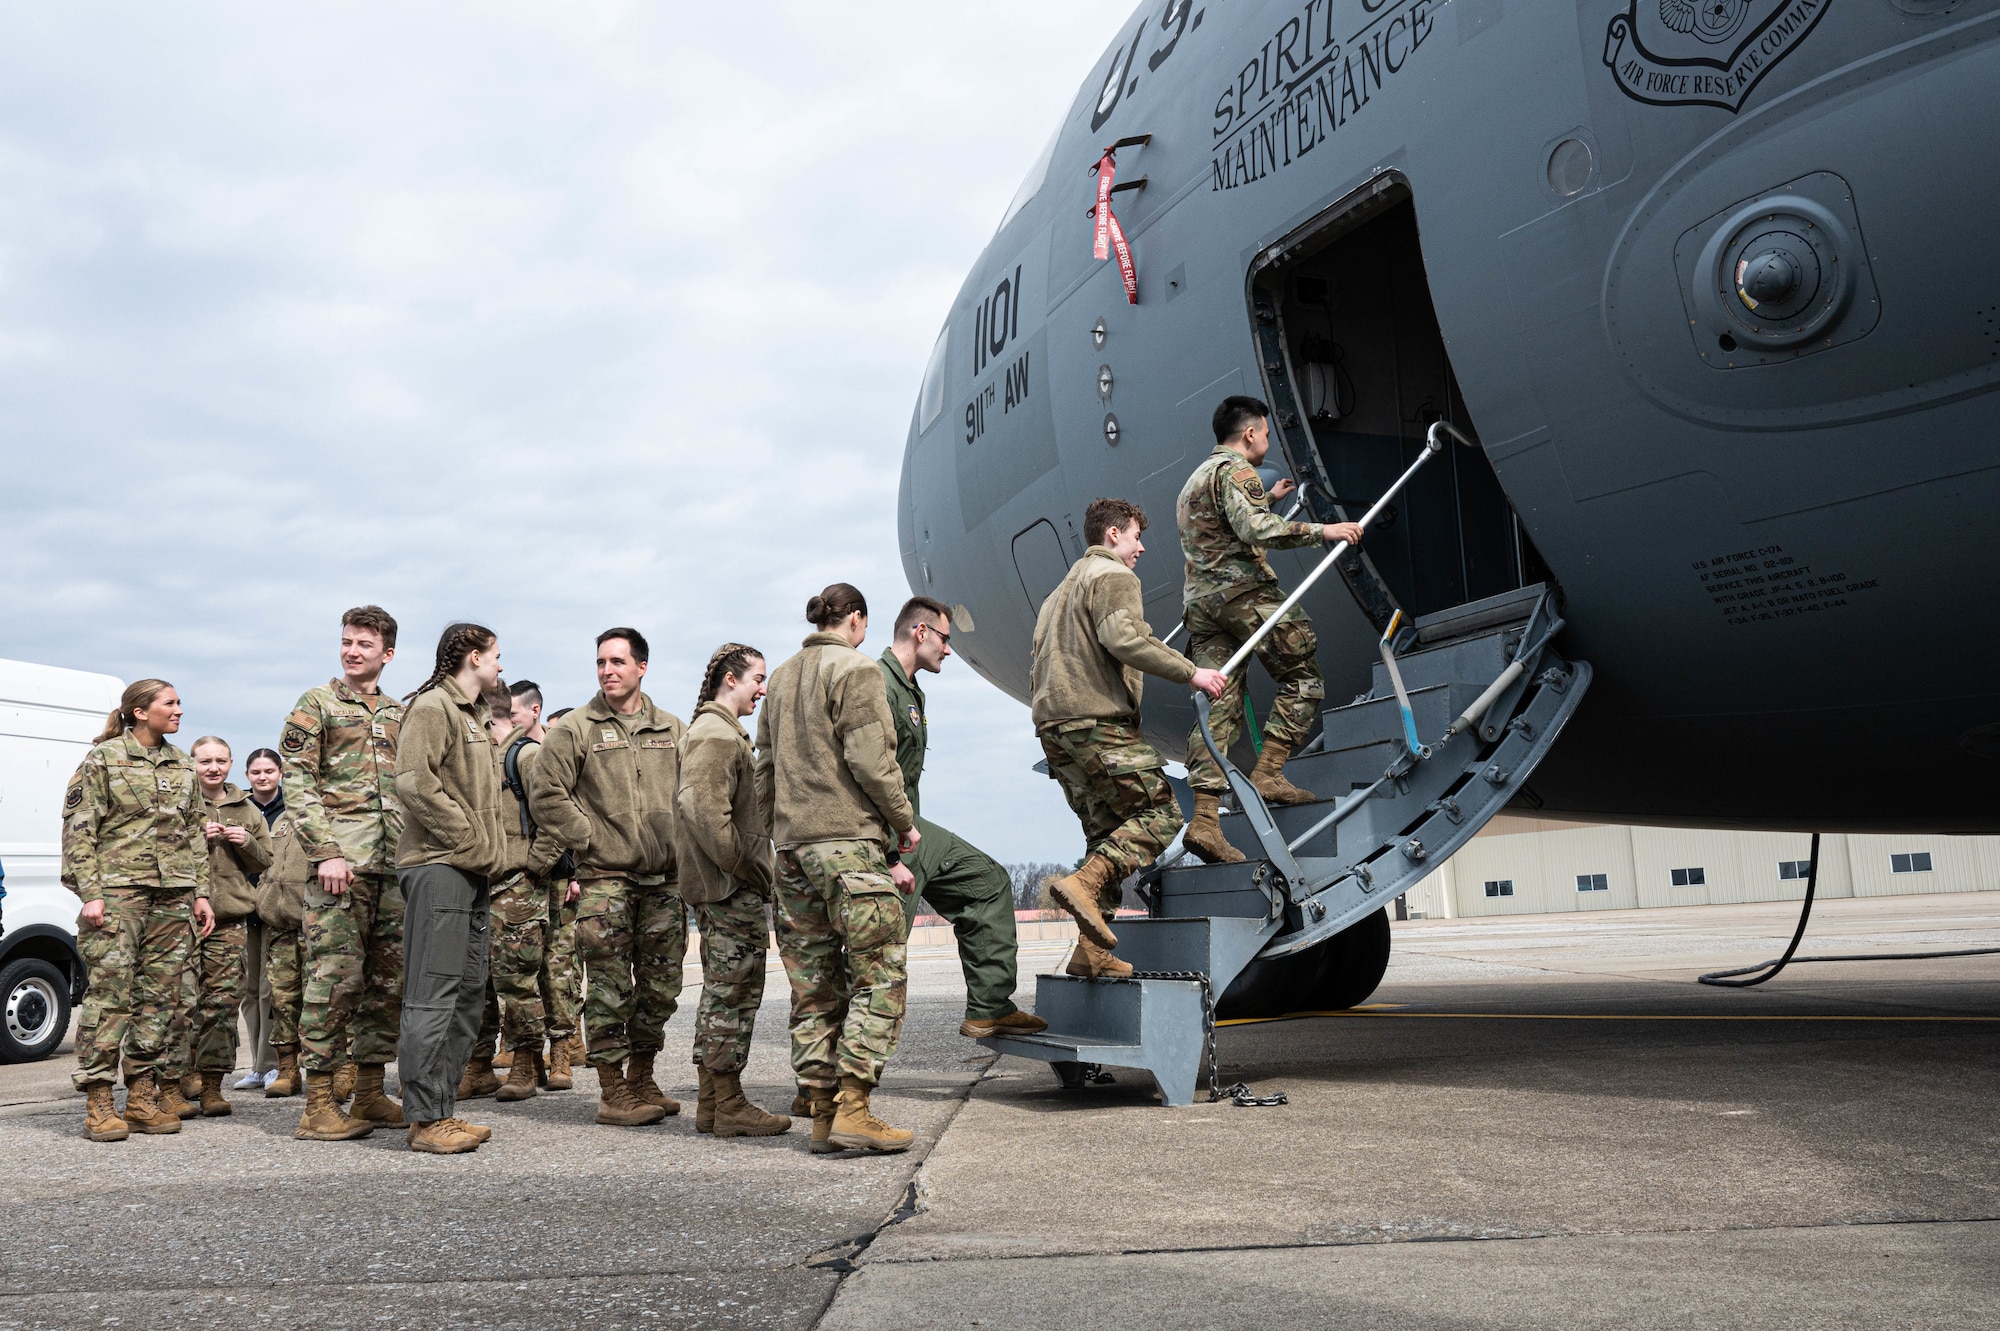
1704 52
294 740
75 797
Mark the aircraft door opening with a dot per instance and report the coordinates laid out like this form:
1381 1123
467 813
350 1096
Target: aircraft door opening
1357 371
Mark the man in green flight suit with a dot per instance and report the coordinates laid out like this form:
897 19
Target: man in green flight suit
962 882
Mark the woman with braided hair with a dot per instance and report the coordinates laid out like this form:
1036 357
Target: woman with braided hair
452 849
727 877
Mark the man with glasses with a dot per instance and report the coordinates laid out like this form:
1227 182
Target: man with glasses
962 883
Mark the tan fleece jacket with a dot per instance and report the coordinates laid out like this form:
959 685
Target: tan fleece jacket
230 892
604 785
1093 646
826 750
448 782
719 828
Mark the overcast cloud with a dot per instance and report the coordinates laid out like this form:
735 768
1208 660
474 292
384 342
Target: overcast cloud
550 316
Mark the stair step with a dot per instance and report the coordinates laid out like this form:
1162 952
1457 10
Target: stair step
1153 1025
1218 947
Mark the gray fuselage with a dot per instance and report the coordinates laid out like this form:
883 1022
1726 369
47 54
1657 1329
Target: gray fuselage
1712 284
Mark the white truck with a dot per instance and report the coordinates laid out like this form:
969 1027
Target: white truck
48 716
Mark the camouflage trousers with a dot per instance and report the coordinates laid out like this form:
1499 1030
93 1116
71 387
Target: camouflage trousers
1111 777
1290 654
136 961
284 963
734 942
204 1033
354 977
562 972
634 940
966 886
841 927
516 1011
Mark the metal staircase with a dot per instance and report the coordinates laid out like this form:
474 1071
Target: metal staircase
1481 677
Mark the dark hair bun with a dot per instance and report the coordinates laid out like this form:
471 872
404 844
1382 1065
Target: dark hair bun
815 608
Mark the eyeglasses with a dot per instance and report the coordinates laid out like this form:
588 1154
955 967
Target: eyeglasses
946 637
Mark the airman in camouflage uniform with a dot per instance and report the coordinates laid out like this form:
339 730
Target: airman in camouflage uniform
281 906
1093 649
132 847
1229 591
726 878
339 751
603 786
520 929
827 778
205 1028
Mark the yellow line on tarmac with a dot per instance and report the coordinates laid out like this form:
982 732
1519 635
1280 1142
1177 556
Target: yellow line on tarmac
1584 1016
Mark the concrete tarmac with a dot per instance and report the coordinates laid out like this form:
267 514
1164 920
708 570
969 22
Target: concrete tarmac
1539 1121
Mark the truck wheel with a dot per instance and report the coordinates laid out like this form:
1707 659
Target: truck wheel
34 1010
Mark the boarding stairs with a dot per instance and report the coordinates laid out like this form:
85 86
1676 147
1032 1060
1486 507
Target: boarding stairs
1481 680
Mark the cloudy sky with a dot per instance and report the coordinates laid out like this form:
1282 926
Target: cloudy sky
546 316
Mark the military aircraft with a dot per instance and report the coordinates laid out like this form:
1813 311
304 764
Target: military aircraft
1709 283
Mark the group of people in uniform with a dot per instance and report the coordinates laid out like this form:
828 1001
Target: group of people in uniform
420 878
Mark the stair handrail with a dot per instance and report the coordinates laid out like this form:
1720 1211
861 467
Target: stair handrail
1252 804
1433 444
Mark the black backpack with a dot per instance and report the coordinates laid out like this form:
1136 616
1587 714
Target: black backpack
565 867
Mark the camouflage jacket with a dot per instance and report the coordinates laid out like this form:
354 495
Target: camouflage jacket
913 727
1226 524
339 749
133 817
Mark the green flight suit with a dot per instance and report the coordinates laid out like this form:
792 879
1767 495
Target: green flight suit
962 883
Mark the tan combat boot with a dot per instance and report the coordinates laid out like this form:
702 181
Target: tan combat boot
503 1060
371 1102
520 1083
287 1081
173 1098
343 1081
855 1127
617 1107
143 1109
561 1077
1014 1023
441 1137
1092 962
1269 776
212 1103
189 1086
820 1104
639 1076
578 1051
323 1121
100 1114
735 1116
478 1080
802 1101
1204 834
1078 894
480 1131
704 1100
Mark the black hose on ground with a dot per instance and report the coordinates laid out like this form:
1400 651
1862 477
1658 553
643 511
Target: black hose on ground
1721 979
